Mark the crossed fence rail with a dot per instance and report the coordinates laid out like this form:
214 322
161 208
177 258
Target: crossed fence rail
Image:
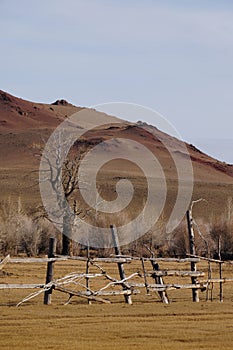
79 284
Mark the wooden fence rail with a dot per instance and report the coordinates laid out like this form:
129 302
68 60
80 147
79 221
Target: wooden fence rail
112 259
130 287
80 284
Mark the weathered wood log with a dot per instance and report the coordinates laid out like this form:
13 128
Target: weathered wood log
220 270
209 289
145 275
34 260
49 273
124 260
211 260
120 264
195 260
217 280
175 273
105 260
112 260
165 287
117 292
184 260
81 294
200 285
20 286
87 271
192 252
4 261
158 279
89 275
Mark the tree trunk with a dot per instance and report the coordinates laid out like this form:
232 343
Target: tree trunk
66 234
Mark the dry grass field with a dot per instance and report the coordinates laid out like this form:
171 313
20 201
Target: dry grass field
147 324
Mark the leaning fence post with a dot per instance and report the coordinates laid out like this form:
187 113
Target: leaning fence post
159 280
192 252
49 274
144 275
116 243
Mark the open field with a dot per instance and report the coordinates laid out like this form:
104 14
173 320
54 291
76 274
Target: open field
146 324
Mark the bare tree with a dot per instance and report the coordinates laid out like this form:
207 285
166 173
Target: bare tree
60 171
70 185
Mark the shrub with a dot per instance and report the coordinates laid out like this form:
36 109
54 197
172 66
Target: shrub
21 233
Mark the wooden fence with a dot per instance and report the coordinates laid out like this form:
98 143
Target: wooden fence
147 278
143 280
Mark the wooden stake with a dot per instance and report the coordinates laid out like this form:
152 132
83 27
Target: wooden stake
195 293
4 261
159 280
145 277
220 270
87 270
116 243
209 287
49 274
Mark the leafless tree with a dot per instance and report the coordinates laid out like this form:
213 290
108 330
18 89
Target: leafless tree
70 185
60 171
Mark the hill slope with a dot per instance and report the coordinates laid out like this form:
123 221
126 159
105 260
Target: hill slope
25 127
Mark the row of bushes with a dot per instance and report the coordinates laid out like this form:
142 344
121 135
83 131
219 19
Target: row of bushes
21 233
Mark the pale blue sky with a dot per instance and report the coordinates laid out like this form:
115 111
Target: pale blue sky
172 56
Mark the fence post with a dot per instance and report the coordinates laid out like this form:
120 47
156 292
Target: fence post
220 270
49 274
195 293
144 275
116 243
159 280
87 270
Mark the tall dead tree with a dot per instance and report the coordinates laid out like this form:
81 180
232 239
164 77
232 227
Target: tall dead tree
70 184
60 172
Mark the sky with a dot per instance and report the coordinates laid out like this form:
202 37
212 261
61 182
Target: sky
175 57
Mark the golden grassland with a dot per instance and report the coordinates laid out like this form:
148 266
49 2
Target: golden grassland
146 324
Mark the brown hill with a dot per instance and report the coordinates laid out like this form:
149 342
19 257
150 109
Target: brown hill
25 126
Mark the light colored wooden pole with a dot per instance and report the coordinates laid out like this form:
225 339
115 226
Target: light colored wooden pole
144 275
121 270
87 270
159 280
50 268
220 270
195 293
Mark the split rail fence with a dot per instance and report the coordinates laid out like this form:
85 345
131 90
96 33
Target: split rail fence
149 280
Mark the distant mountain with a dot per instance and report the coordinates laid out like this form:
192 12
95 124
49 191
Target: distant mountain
216 147
25 126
